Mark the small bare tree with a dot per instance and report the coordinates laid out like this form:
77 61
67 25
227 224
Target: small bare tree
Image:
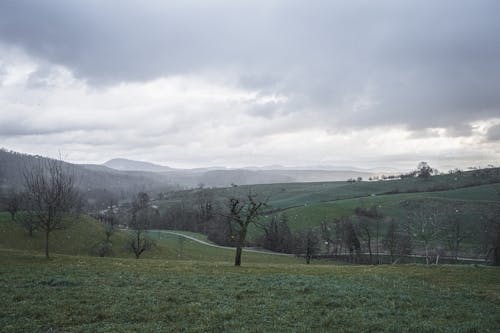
109 220
140 221
423 227
51 194
455 232
396 242
492 233
26 217
309 244
13 204
327 235
242 213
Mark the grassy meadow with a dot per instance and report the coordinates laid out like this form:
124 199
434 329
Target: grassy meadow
88 294
183 286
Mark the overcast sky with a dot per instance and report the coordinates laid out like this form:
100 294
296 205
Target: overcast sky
236 83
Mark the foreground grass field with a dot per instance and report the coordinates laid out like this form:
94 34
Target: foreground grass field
86 294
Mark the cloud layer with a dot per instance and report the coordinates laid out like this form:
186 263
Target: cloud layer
252 83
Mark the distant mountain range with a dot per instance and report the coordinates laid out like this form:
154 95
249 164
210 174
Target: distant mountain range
222 176
124 164
126 176
132 165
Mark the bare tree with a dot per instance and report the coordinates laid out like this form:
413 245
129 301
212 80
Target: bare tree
242 213
423 227
205 208
109 220
13 204
51 194
327 235
492 233
308 244
141 212
277 235
28 222
396 242
367 227
350 238
455 232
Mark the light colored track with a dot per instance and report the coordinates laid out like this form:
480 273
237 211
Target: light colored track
219 246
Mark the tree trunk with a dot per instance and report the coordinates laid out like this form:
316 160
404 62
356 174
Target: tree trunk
496 256
237 258
426 255
239 246
370 250
47 243
308 259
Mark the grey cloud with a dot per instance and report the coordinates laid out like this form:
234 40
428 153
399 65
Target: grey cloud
493 133
424 64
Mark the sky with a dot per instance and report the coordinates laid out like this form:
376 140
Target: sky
239 83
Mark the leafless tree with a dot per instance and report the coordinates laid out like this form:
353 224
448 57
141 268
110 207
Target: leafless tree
109 219
455 232
327 235
492 235
423 227
308 244
51 194
243 212
350 238
277 236
28 221
396 242
13 204
141 216
367 227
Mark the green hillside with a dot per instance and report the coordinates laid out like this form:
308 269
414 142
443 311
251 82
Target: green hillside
471 199
297 194
82 235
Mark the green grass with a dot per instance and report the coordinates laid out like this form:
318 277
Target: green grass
78 239
471 203
389 205
175 247
83 234
87 294
282 196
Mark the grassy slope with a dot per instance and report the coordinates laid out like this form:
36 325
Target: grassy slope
81 236
470 200
298 194
312 215
471 203
80 294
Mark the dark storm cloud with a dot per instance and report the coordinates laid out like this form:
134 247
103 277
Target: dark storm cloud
347 63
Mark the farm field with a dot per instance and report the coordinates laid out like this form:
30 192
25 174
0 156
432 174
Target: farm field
81 294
